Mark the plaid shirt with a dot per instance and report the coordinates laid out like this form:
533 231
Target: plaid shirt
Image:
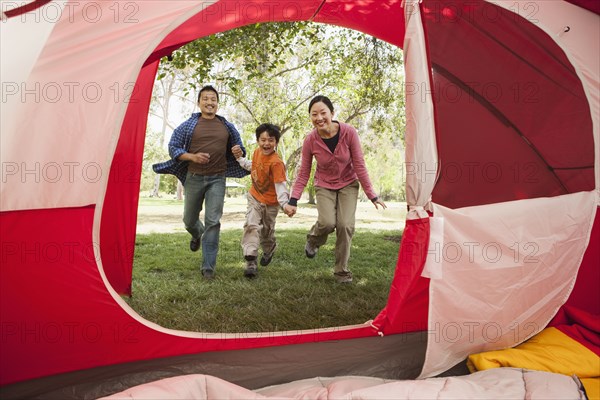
180 143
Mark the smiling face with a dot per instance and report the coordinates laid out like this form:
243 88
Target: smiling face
321 117
209 104
266 143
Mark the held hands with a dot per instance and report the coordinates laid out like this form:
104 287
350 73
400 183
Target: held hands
380 202
290 211
237 151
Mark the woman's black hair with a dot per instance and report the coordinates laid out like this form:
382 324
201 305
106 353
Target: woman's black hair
323 99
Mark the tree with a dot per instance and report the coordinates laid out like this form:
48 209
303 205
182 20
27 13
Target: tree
269 72
168 89
154 152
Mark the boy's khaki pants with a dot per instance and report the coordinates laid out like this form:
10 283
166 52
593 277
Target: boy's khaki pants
259 229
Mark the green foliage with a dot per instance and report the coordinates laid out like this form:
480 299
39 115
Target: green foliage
168 184
154 152
291 293
255 50
268 72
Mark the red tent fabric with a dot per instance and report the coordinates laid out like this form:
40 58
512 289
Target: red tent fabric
514 118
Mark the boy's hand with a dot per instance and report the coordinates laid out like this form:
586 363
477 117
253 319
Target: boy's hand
289 210
237 151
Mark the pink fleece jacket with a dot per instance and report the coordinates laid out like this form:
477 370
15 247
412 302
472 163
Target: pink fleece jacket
334 170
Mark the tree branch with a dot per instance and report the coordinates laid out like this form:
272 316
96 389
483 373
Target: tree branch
357 113
237 99
169 125
283 71
184 98
301 103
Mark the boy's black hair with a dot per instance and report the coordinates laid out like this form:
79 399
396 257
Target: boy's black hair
208 88
272 130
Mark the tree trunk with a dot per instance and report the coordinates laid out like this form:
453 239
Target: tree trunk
292 164
311 195
179 190
155 189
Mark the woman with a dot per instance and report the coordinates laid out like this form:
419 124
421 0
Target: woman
340 167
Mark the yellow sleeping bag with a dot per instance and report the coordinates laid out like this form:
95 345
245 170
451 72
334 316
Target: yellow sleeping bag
551 351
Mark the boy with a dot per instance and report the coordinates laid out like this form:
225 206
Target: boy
268 193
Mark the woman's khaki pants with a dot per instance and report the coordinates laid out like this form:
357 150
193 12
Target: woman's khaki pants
337 211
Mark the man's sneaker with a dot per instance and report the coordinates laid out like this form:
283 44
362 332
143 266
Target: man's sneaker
251 269
310 251
267 257
194 244
343 277
208 274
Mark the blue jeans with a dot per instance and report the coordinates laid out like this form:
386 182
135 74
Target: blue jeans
210 191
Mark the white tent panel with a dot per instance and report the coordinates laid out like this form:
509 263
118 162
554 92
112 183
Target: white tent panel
21 41
76 98
421 153
506 269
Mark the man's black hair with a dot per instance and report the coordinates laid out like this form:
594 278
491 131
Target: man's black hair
208 88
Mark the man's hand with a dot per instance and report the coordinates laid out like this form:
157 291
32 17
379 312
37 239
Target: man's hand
237 151
200 158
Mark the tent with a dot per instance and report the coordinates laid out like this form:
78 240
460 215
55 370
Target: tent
503 174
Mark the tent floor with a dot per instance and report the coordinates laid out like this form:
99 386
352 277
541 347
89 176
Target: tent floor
391 357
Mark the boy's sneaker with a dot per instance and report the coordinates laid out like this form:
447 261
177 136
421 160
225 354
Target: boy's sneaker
310 251
343 277
251 269
267 257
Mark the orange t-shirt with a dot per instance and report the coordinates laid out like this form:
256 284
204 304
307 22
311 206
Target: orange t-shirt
266 171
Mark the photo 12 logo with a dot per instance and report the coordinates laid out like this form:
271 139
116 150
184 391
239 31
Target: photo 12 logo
267 11
474 172
64 254
92 12
474 12
51 172
71 172
486 253
489 253
477 331
471 92
66 332
69 92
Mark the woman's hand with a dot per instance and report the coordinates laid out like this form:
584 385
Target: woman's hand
290 211
380 202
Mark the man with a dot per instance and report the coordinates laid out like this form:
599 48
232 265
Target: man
201 158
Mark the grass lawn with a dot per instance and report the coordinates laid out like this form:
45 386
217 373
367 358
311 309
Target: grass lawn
293 292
